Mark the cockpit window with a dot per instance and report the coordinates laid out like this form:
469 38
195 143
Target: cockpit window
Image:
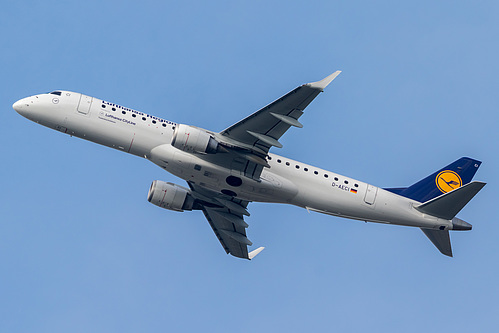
58 93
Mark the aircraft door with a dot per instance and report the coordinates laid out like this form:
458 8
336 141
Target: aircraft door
370 194
84 104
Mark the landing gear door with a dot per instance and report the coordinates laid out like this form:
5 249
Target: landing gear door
370 194
84 104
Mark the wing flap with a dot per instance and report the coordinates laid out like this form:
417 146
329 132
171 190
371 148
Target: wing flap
237 237
234 219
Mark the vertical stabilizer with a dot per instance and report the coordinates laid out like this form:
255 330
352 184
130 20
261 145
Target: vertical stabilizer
447 179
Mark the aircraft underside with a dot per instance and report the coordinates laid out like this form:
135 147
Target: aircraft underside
226 171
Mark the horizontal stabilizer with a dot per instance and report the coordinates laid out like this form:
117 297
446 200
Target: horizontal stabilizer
449 204
441 239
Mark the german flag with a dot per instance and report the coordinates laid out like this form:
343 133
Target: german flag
353 190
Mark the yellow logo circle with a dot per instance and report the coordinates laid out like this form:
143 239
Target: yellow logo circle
448 180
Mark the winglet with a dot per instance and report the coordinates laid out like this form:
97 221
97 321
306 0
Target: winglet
254 253
322 84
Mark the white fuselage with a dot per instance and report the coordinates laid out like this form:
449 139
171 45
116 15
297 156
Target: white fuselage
285 181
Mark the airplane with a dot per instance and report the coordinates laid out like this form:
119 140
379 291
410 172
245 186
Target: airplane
225 171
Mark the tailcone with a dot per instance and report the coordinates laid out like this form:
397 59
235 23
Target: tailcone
458 224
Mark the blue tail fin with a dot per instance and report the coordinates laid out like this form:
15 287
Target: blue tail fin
454 175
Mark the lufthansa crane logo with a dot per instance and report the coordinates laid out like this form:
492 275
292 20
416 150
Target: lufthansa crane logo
448 180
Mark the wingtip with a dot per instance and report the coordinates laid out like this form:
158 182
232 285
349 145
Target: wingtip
254 253
322 84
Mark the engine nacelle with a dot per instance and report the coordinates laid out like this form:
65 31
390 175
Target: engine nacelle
192 139
170 196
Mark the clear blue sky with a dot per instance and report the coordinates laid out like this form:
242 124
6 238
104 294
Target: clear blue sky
81 249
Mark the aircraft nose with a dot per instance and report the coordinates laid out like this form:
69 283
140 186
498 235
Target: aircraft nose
23 106
18 106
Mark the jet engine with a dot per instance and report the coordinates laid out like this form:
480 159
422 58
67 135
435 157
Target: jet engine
170 196
192 139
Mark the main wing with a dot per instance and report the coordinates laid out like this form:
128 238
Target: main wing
264 128
226 217
245 148
250 139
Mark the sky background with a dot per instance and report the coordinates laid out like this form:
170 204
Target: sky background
81 249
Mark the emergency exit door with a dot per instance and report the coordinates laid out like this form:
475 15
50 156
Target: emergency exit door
370 194
84 104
